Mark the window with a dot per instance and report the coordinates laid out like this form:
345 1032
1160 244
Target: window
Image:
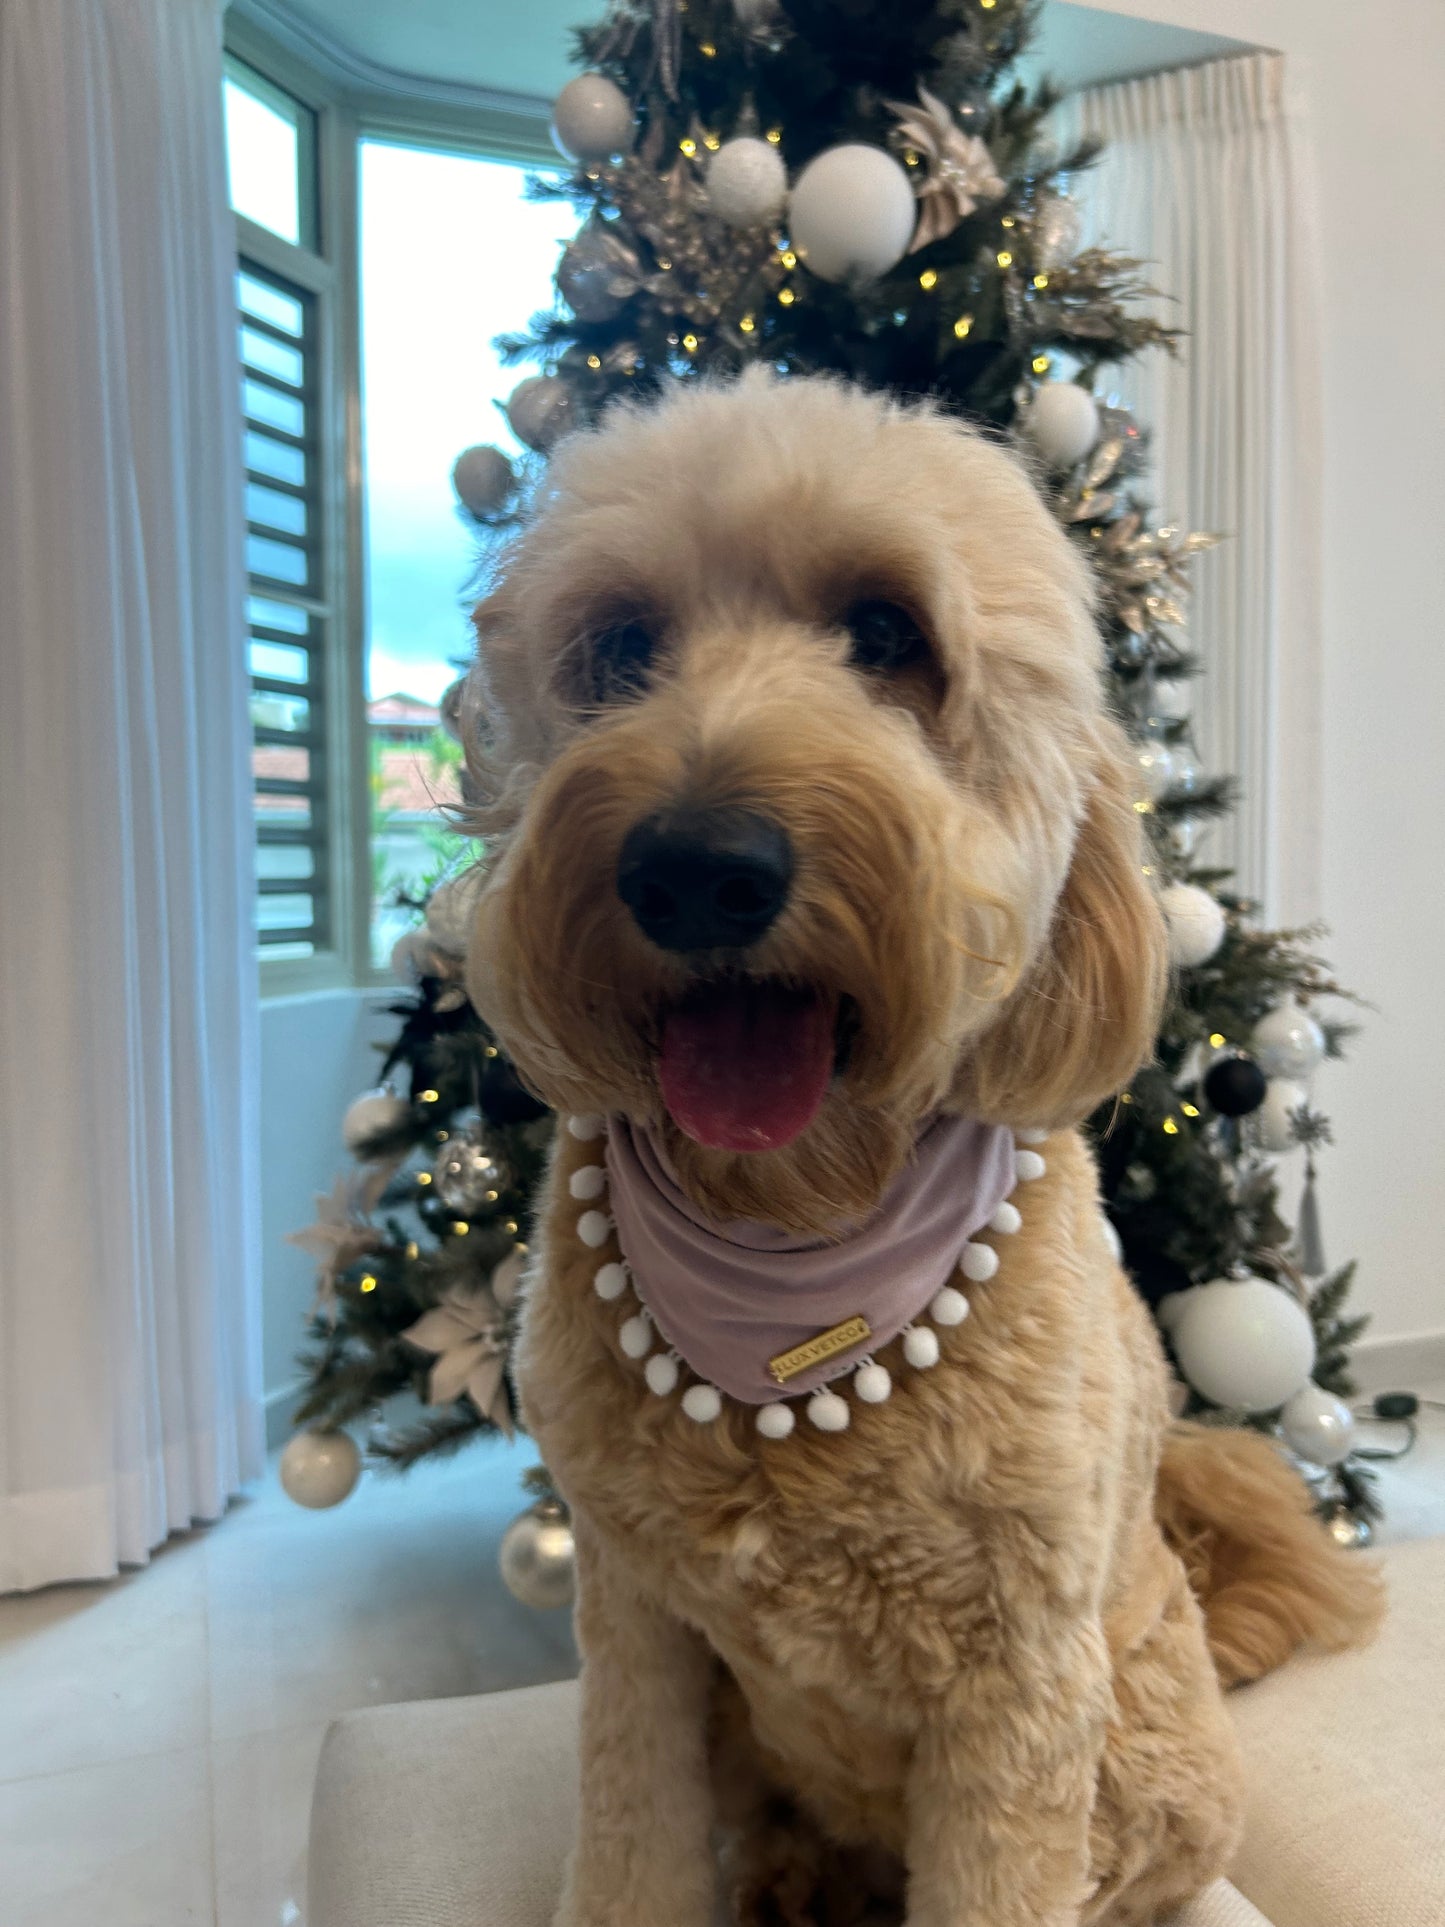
452 254
281 292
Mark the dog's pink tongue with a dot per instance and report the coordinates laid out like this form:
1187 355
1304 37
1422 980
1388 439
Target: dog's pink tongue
745 1067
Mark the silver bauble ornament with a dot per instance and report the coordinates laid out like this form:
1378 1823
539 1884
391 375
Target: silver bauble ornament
591 119
1155 762
483 479
1243 1343
372 1115
747 182
598 274
1273 1121
320 1469
1318 1426
1196 924
852 213
538 1556
465 1171
1056 228
1063 423
540 411
1348 1531
1288 1042
450 911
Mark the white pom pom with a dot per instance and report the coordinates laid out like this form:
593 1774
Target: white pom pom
588 1182
747 182
1006 1220
978 1263
702 1403
949 1307
610 1282
920 1347
1063 423
1034 1135
829 1412
661 1373
775 1421
586 1126
1029 1166
1196 923
872 1383
593 1228
636 1336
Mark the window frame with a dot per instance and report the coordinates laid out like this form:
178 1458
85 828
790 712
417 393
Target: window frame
344 116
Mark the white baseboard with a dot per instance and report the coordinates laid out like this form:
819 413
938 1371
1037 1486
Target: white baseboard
278 1407
1400 1364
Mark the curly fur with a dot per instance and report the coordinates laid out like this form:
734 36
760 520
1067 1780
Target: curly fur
950 1654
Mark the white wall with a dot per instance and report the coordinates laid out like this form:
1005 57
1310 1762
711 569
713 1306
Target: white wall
316 1056
1368 82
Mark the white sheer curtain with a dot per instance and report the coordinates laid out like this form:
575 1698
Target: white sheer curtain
1200 177
129 1356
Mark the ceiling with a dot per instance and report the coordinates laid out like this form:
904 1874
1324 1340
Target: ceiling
521 46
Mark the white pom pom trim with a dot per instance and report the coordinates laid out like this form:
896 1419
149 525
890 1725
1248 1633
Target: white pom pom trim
661 1373
1033 1136
978 1263
587 1182
586 1126
829 1412
920 1347
635 1337
872 1382
1006 1220
949 1307
776 1421
1029 1166
702 1403
593 1228
610 1282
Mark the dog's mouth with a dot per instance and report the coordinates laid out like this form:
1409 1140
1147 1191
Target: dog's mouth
744 1064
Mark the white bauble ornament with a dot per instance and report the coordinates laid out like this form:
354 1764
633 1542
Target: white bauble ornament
320 1469
1272 1120
538 1556
483 479
451 909
540 411
591 119
1063 423
1196 924
1319 1426
1287 1042
852 213
372 1115
1243 1343
747 182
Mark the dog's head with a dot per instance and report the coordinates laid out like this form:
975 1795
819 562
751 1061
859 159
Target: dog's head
808 816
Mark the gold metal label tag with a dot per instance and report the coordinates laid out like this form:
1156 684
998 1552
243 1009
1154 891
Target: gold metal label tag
813 1351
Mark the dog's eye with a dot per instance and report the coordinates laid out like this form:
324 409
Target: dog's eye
619 660
884 636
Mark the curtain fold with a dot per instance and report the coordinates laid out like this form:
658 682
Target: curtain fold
129 1250
1201 179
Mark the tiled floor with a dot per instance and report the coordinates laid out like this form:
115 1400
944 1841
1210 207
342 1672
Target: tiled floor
158 1735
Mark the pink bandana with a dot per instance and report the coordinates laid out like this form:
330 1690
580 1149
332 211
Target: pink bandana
729 1298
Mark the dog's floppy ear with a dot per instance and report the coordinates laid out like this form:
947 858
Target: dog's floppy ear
1086 1015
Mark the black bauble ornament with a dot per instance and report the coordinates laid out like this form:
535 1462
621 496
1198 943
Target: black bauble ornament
1235 1086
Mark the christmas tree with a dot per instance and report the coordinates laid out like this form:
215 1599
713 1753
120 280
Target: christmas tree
838 186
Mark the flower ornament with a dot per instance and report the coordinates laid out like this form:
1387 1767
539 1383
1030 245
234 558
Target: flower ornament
341 1233
468 1333
958 170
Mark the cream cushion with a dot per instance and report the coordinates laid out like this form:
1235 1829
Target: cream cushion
459 1813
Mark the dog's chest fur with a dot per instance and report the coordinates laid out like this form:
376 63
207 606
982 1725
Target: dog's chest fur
840 1577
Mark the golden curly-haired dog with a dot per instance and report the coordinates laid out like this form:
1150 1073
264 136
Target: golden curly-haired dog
952 1659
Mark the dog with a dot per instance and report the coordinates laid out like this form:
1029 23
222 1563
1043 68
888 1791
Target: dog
817 902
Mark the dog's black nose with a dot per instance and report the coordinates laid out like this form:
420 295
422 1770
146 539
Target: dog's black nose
705 879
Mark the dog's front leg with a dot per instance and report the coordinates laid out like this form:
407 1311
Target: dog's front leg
643 1856
1002 1788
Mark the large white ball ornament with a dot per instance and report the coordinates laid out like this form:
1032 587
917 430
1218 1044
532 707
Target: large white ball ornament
592 119
1195 922
540 411
320 1469
1287 1042
1319 1426
1243 1343
1063 423
451 910
852 213
747 182
372 1114
483 479
1272 1125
